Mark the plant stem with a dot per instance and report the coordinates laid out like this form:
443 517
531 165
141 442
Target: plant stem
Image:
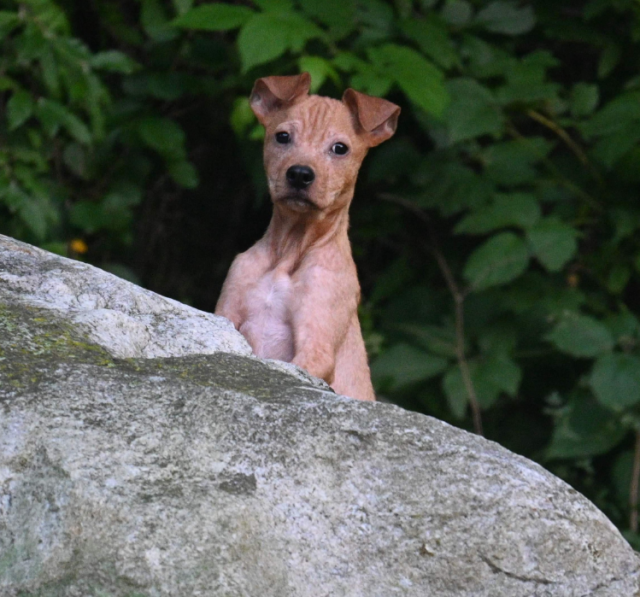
458 295
558 130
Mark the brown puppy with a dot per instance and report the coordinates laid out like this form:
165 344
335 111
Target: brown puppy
294 295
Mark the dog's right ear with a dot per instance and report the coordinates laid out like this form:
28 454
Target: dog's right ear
271 94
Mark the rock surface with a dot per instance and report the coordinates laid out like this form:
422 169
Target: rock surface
126 320
144 452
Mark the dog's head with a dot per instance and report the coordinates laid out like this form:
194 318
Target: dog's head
314 145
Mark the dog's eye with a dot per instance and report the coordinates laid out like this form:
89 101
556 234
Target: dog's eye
283 137
340 149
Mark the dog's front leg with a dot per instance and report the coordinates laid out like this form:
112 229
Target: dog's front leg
320 319
245 270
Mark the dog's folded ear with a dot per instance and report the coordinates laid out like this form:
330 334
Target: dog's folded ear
271 94
377 118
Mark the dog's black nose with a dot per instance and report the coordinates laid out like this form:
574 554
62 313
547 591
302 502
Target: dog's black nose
300 177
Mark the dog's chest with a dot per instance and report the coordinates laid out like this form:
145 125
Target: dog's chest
267 326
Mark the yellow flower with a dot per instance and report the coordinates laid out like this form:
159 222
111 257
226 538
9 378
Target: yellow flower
77 245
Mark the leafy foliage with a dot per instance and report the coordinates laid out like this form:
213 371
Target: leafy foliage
496 233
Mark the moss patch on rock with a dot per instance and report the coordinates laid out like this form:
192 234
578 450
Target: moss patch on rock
33 341
226 372
34 344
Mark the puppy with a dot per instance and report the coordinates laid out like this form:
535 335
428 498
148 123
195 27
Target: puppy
294 295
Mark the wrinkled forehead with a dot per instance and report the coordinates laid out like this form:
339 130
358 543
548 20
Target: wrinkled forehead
319 116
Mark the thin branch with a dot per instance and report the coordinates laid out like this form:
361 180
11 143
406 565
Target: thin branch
558 130
458 295
633 490
561 179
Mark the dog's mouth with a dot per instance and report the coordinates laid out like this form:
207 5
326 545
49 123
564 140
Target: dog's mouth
298 202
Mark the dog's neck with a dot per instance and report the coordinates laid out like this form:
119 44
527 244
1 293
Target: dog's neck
292 235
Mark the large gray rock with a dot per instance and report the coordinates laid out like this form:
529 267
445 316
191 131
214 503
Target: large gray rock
222 475
125 319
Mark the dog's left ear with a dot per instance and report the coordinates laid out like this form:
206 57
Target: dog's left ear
377 117
271 94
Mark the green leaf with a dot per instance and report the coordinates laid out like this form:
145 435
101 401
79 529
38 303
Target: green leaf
499 339
584 99
155 21
97 99
8 83
184 173
456 392
507 18
526 80
513 209
618 278
611 148
214 17
167 86
472 112
375 16
242 116
29 179
403 364
499 260
625 221
182 6
339 15
502 372
420 80
581 336
349 62
163 135
585 429
267 36
54 115
75 158
372 81
625 328
490 377
609 59
432 38
615 116
114 61
123 194
486 60
19 109
615 380
261 40
437 340
457 12
13 196
275 5
51 74
50 17
36 213
319 69
8 22
553 243
511 163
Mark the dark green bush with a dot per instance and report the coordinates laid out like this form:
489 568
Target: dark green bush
496 233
